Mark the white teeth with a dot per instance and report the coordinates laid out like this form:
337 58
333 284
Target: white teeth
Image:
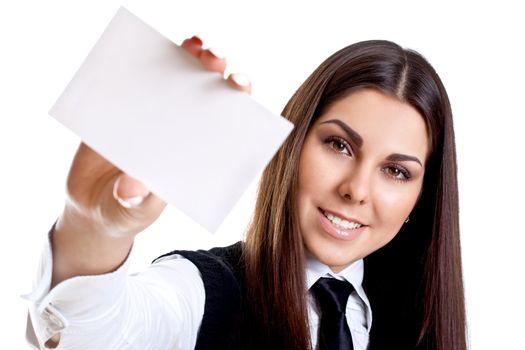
342 222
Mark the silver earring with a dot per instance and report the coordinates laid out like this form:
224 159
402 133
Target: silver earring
407 220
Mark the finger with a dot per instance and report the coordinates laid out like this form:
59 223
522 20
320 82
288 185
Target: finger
240 81
142 204
130 193
212 60
153 206
193 46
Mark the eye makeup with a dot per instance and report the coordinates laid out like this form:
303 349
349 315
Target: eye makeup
343 140
353 136
404 172
339 145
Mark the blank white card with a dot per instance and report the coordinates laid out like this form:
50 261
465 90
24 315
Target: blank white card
151 109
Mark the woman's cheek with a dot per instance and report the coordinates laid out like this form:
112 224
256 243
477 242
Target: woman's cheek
395 204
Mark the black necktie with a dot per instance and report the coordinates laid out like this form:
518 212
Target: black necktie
332 296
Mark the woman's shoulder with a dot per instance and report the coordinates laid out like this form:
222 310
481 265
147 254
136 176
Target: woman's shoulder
219 266
222 272
230 255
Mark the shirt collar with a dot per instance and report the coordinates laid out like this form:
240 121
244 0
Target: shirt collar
315 269
353 273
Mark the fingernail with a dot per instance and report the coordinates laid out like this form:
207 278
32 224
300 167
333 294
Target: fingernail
127 203
193 41
131 202
216 53
241 79
196 40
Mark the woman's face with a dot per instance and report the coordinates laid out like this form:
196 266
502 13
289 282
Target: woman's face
360 174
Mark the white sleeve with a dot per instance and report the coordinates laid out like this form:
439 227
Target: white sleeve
159 308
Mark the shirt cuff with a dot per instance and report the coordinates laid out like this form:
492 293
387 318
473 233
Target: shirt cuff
72 301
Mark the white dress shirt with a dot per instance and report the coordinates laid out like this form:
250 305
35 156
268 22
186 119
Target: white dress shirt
159 308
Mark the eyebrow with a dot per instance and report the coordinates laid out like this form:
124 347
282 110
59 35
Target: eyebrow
397 157
352 134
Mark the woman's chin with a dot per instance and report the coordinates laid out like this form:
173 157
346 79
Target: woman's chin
335 257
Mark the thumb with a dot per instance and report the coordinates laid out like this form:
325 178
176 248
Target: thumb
129 192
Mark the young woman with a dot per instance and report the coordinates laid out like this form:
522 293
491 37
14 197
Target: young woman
363 191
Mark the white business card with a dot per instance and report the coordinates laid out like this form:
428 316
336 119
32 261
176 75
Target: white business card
152 110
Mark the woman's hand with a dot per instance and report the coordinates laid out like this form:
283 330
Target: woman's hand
106 208
215 62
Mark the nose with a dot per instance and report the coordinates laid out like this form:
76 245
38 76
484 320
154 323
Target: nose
355 185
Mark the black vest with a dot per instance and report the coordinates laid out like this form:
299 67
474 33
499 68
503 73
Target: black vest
224 323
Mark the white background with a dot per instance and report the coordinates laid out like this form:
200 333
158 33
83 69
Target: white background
477 49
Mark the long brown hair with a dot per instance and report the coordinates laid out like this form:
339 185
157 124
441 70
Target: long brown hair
414 283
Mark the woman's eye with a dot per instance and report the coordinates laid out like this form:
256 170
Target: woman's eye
397 173
339 145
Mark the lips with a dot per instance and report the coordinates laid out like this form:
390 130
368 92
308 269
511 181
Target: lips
339 220
339 227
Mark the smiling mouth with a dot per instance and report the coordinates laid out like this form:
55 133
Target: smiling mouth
340 222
